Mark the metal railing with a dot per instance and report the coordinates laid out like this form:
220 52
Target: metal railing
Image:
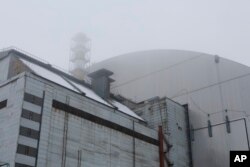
33 56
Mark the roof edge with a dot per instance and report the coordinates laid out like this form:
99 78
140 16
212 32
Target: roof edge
48 66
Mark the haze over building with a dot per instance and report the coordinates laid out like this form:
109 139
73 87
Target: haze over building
50 118
150 108
216 91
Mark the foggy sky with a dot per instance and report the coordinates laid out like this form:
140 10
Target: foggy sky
45 27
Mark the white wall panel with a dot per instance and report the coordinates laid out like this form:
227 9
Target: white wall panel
10 119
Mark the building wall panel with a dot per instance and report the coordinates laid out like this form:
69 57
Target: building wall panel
10 118
27 160
84 142
4 65
172 117
27 141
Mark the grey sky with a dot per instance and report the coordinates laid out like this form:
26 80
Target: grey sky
45 27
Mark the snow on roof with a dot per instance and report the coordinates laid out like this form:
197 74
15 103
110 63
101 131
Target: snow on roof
90 93
56 78
47 74
125 109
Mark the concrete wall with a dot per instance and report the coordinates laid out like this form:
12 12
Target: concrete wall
4 66
13 91
68 140
172 117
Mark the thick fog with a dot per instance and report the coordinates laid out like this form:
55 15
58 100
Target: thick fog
45 28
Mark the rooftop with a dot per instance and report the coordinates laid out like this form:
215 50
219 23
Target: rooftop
62 78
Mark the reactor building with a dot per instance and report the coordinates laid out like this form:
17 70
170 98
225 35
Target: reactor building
158 108
48 118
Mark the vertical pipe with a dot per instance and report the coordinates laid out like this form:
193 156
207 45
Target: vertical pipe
78 157
245 122
133 144
161 150
64 146
65 136
190 135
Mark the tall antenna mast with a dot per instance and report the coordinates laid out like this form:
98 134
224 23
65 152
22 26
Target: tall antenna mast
79 56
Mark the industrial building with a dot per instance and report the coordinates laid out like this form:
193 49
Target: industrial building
216 91
50 118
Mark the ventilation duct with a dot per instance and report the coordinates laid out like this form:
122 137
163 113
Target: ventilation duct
101 82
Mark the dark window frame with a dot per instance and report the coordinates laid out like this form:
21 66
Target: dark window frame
21 165
33 99
26 150
3 104
27 132
31 115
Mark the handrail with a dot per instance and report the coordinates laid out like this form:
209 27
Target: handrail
33 56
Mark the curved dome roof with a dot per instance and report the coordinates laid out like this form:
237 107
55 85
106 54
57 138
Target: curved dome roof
180 71
148 61
207 83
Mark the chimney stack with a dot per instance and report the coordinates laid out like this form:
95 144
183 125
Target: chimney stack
100 82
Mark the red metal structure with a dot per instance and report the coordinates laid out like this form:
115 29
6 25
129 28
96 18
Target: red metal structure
161 146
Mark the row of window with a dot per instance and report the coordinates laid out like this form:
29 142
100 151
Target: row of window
21 165
22 149
31 115
26 150
29 132
33 99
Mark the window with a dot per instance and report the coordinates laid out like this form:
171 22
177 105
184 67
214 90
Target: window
29 132
21 165
33 99
31 115
26 150
3 104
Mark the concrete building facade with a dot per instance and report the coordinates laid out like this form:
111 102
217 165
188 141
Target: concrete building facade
48 119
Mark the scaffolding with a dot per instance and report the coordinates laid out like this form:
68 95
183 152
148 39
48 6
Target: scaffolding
79 56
